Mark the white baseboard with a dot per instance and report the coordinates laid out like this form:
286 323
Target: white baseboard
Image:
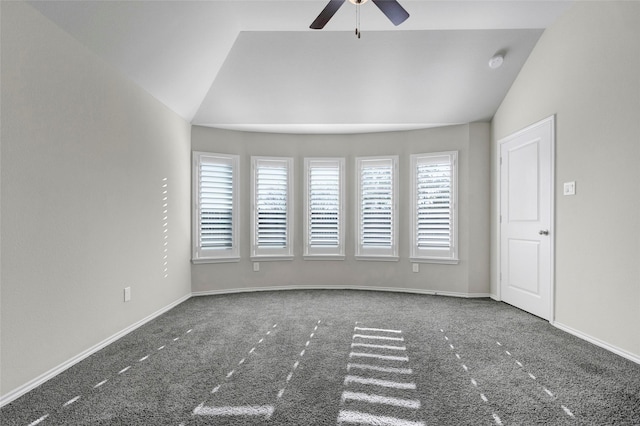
611 348
389 289
18 392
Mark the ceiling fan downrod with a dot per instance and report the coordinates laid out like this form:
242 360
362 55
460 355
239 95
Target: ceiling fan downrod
358 3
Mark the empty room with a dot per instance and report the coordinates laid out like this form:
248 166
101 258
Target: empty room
316 212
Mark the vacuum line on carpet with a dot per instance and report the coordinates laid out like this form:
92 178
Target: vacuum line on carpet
101 383
378 356
248 410
367 336
474 382
71 401
380 399
566 410
368 345
377 329
348 416
97 385
381 369
242 361
40 420
297 362
379 382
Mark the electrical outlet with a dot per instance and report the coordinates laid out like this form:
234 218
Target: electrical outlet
415 267
127 294
569 188
256 266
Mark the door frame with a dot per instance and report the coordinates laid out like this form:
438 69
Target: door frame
552 121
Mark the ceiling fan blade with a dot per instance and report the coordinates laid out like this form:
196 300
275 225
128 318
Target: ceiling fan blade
393 10
326 14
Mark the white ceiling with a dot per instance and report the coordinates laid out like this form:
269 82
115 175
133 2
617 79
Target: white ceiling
256 65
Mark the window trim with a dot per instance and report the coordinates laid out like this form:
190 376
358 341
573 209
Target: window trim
317 253
270 253
434 254
371 253
214 255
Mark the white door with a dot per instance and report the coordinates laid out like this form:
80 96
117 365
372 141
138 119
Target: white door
526 219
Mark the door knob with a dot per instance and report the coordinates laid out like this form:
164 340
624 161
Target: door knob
544 232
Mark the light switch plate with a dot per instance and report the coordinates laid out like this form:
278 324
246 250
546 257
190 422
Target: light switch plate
569 188
415 267
127 294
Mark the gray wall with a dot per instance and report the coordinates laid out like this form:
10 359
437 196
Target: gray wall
469 277
84 155
586 70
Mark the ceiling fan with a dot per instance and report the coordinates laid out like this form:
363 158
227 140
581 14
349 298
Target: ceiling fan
391 8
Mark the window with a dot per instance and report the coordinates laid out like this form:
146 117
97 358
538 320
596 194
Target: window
272 208
377 208
215 213
323 207
433 207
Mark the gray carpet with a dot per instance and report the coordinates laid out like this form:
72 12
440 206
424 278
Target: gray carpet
340 357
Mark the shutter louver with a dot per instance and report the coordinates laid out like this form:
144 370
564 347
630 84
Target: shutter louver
376 206
324 206
216 205
271 205
434 208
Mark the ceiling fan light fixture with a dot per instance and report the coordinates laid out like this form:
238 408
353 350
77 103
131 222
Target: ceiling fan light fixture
356 2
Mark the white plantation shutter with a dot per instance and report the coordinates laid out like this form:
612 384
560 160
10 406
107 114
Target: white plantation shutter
216 205
377 206
215 215
433 206
272 204
324 182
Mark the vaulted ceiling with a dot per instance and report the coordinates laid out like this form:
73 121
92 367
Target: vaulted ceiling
256 65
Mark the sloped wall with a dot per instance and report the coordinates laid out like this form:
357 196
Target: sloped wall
586 70
85 157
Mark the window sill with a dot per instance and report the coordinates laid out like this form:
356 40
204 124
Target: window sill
215 260
271 258
378 258
434 260
323 257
